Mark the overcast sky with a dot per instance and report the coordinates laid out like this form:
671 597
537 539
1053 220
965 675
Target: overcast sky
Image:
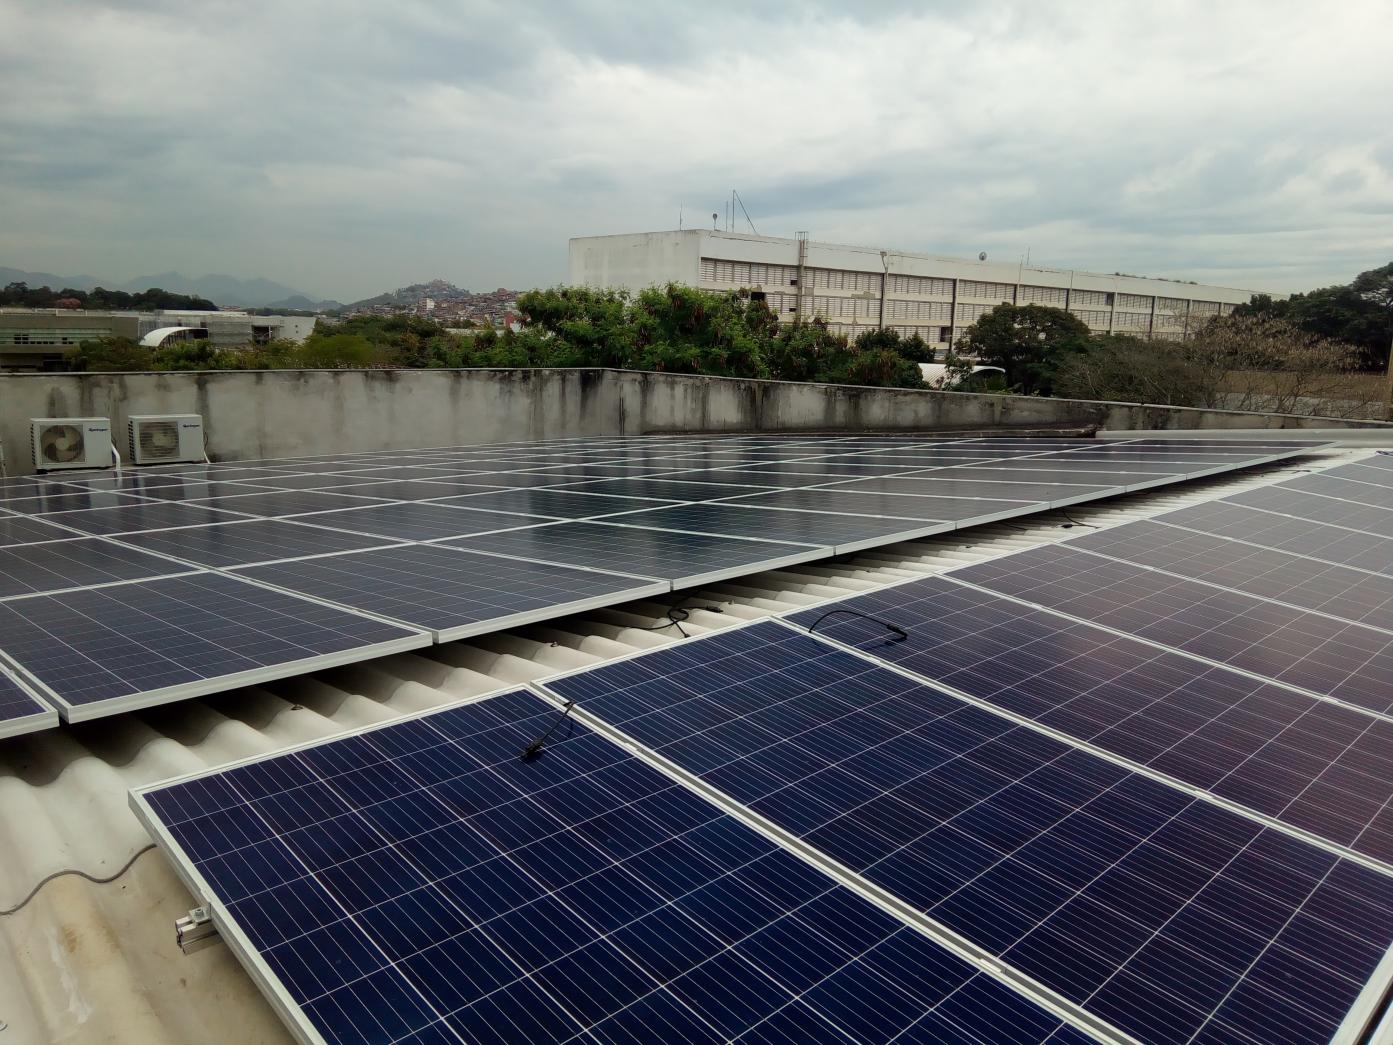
350 146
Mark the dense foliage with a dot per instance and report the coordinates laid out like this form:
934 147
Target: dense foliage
1359 313
1029 342
21 295
674 329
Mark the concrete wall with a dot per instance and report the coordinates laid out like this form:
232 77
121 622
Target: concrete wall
287 413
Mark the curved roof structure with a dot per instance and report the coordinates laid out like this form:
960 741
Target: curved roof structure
159 336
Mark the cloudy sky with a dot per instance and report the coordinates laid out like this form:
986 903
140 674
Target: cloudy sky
348 146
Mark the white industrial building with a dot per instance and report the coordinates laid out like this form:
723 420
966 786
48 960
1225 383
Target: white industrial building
856 288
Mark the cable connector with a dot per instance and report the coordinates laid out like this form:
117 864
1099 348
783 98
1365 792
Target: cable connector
534 749
900 634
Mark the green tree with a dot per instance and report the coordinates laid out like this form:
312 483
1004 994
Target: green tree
110 354
1029 342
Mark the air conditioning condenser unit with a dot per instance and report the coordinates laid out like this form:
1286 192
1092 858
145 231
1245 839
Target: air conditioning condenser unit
70 442
166 439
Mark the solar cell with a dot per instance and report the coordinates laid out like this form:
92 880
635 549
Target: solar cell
1365 471
316 481
197 489
665 489
682 558
1163 913
1320 654
739 476
452 593
1059 475
1350 594
57 499
248 541
419 882
1312 764
56 565
850 467
20 711
100 651
404 489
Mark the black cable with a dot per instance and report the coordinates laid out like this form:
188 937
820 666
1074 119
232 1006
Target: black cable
94 879
899 632
533 749
676 614
1074 522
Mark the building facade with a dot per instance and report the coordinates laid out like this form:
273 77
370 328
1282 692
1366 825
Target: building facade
36 339
859 288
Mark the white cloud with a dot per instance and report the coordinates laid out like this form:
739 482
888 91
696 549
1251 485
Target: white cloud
350 146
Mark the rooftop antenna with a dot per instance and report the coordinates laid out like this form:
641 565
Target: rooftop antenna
679 218
735 198
714 218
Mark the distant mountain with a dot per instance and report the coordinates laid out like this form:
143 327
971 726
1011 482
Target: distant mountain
437 288
225 290
300 303
48 279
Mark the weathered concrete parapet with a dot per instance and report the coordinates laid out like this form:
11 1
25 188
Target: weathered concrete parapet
285 413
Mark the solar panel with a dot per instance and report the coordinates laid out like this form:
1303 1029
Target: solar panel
814 528
965 511
1312 764
665 489
56 565
21 711
57 499
419 882
1158 911
1345 489
1350 594
452 593
417 521
99 651
156 515
1284 533
21 529
939 484
283 503
682 558
1302 505
559 503
1317 653
248 541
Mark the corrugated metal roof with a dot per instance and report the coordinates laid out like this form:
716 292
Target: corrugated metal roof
83 961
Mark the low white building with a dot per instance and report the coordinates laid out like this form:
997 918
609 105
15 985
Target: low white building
856 288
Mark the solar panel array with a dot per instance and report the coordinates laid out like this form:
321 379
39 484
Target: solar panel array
419 882
380 551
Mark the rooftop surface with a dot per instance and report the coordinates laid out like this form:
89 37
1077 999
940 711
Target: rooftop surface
92 960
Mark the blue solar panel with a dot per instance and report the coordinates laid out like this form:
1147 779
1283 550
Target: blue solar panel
682 558
1161 912
20 529
419 882
1266 529
99 651
816 528
1350 594
20 710
27 569
1350 661
1346 489
248 541
448 592
1331 510
1309 763
417 521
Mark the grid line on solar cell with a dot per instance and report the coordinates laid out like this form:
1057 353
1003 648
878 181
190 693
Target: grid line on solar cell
850 500
1309 763
1317 508
157 515
417 521
1156 910
102 650
1345 489
1320 654
800 527
1306 583
927 484
20 529
419 876
447 591
558 503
